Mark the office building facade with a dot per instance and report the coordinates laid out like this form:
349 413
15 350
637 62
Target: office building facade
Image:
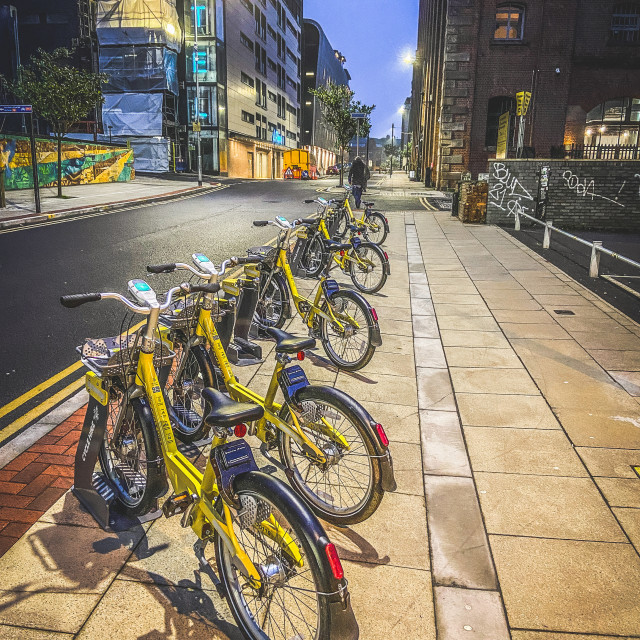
322 64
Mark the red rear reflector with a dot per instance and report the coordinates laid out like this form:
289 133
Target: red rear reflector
334 561
386 220
382 435
385 255
240 430
300 355
342 253
374 314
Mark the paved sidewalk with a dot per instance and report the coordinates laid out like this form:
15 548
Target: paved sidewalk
20 208
514 431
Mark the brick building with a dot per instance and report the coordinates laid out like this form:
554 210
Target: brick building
579 58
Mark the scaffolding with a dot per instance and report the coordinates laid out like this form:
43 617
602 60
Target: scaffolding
139 45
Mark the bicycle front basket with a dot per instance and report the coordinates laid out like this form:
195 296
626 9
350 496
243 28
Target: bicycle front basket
267 255
119 354
182 314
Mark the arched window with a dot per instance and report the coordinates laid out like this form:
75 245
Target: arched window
509 22
625 22
497 106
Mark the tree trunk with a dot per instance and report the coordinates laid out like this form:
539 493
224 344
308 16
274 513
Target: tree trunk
341 183
59 165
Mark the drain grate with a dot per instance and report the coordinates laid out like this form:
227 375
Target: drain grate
564 312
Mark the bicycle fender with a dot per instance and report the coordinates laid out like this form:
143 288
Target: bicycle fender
142 408
343 620
376 336
388 477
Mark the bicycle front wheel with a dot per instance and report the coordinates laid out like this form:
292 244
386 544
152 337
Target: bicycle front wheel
188 378
127 455
270 310
290 603
375 228
314 257
349 344
342 224
368 271
347 488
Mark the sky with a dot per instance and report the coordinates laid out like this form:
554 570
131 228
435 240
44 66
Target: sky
374 36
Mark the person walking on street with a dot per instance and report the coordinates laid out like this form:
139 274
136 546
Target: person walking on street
357 179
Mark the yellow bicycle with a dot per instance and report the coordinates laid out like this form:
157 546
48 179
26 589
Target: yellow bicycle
373 225
333 453
281 574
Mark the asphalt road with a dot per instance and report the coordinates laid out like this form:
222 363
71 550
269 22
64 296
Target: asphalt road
98 254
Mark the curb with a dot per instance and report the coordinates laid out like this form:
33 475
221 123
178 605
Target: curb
37 218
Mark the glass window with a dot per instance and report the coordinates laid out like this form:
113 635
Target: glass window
509 23
207 105
220 19
203 62
625 22
202 17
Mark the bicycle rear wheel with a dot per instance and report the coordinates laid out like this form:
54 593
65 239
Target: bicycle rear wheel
290 603
270 310
375 228
368 272
349 346
342 224
348 488
127 455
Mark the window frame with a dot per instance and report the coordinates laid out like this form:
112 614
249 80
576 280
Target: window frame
509 9
618 34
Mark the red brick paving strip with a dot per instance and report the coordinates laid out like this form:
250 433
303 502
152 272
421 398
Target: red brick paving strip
33 481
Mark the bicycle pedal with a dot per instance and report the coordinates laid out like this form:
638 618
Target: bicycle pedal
269 469
177 504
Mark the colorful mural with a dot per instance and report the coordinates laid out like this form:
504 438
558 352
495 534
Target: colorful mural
82 162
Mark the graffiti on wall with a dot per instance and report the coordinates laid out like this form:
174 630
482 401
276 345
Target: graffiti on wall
82 163
585 187
507 192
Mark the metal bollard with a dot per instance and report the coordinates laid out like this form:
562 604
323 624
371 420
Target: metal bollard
594 265
517 225
546 241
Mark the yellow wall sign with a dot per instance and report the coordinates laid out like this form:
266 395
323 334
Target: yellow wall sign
522 101
503 136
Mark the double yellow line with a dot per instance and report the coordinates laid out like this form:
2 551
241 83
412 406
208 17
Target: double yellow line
43 407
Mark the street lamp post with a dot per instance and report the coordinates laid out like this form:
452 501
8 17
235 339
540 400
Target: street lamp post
196 101
110 128
391 167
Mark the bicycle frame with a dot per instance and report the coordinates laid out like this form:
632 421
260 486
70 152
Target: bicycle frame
343 259
184 477
207 329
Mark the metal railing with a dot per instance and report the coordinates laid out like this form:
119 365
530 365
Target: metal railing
602 152
596 245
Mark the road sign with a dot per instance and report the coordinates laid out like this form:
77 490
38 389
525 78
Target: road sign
503 136
522 100
359 115
16 108
197 126
527 99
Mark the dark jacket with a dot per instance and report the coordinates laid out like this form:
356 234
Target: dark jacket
357 173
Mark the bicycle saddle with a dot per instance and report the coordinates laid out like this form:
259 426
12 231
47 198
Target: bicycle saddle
226 412
288 343
331 245
368 204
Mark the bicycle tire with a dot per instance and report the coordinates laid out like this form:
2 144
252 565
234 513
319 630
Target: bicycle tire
314 576
128 463
352 302
342 224
376 236
274 296
359 277
314 258
322 491
184 394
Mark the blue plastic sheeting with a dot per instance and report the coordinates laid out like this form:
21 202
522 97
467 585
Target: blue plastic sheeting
137 69
150 155
133 114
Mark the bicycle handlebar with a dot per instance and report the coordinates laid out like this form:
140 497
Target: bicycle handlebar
212 287
260 223
162 268
76 299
